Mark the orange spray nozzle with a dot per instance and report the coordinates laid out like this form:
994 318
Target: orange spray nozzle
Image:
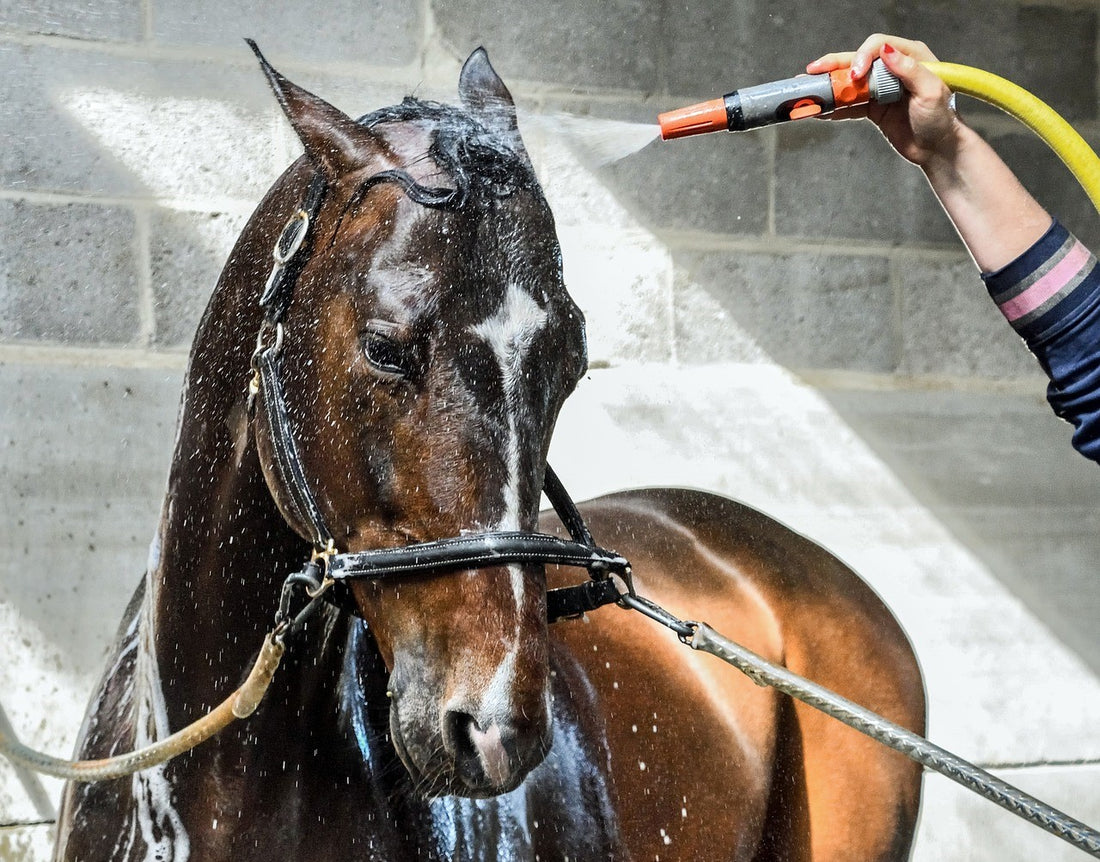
708 116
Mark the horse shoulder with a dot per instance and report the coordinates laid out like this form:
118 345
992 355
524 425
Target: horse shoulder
674 714
686 737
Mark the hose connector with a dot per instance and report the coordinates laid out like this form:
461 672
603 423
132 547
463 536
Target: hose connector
885 86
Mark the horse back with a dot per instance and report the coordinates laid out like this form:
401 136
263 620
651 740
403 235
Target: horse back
706 764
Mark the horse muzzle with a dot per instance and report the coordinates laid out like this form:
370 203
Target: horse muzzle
472 745
496 758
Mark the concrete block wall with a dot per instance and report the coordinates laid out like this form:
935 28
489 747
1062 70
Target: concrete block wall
784 316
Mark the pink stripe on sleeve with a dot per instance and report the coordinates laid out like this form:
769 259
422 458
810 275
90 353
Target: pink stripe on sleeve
1048 285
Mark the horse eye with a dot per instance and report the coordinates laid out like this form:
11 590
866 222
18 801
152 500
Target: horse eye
387 357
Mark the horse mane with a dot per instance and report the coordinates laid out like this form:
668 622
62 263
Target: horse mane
480 162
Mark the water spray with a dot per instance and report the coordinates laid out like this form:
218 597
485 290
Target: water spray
820 95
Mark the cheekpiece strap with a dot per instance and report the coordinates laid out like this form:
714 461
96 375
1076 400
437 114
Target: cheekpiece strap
288 461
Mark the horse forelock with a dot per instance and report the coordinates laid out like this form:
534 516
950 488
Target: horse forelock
478 162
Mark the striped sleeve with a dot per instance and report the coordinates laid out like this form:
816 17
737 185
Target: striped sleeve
1051 297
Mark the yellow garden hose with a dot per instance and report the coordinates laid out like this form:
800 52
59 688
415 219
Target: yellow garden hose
1038 116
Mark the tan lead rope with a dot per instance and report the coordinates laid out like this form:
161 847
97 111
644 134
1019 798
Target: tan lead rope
240 704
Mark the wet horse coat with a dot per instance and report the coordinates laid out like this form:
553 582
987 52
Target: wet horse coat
428 347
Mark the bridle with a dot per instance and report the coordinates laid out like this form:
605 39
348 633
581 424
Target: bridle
328 572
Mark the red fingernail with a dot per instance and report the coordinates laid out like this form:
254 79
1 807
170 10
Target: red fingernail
887 48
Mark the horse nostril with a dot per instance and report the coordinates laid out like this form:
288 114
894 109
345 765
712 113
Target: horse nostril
456 734
478 753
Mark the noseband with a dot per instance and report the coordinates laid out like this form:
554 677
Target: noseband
329 571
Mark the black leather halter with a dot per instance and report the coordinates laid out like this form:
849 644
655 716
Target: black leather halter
330 568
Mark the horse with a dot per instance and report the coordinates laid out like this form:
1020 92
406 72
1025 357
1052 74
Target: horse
425 343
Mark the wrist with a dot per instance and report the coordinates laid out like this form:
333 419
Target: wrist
942 162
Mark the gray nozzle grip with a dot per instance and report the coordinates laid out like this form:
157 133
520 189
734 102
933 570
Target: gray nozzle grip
765 104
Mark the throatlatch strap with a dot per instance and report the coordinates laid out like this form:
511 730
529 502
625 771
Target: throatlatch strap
565 507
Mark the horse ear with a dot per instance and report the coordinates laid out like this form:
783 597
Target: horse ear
483 93
333 141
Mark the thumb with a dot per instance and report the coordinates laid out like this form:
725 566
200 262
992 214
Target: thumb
917 80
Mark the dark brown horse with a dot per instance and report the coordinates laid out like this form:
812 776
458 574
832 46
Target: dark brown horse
425 351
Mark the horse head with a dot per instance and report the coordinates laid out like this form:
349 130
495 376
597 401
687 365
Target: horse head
428 347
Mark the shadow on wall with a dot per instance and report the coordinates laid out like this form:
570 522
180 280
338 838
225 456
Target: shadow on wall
954 402
787 235
89 440
784 236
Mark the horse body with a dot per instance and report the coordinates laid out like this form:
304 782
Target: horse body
429 344
706 764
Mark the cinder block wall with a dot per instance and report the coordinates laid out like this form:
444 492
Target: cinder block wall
138 135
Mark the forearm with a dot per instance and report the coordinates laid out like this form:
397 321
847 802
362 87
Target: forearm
995 216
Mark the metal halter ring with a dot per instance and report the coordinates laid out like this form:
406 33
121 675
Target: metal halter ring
324 554
277 347
290 240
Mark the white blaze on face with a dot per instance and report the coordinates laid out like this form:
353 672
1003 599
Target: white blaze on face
509 333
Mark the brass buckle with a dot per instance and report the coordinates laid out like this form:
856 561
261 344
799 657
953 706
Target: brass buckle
321 557
254 381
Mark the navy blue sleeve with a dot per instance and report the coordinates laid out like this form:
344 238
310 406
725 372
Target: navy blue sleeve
1051 296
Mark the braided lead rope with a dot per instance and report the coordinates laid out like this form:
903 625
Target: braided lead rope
915 747
240 704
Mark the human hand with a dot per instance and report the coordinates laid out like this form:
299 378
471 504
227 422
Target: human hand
923 125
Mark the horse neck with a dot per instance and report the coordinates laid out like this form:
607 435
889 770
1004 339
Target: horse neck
224 549
225 552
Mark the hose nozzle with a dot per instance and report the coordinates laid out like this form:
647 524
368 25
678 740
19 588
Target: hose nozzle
782 101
